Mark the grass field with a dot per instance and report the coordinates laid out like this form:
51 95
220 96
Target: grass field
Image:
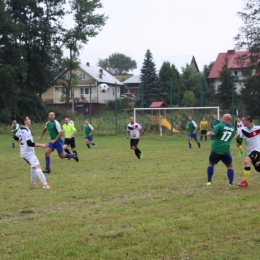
111 205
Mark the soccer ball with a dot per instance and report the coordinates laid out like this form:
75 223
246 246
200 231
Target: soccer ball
103 88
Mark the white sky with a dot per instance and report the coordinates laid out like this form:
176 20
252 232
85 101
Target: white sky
202 28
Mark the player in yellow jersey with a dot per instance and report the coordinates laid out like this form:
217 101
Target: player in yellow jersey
204 127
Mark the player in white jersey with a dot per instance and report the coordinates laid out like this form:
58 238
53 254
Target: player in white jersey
134 130
25 138
239 140
251 134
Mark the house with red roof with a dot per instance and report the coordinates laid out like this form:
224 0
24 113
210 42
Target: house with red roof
237 69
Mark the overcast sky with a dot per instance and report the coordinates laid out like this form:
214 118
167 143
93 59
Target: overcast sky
202 28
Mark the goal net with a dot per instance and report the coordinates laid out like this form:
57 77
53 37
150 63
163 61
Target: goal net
172 120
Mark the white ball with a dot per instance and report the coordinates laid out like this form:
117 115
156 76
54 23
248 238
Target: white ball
103 88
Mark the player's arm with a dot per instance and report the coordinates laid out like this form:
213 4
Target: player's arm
32 144
92 129
16 138
210 133
43 132
127 133
74 132
141 131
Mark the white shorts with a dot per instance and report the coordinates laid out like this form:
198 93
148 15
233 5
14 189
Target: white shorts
32 160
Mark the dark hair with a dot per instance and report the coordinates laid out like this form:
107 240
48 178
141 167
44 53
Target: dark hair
22 119
248 118
238 116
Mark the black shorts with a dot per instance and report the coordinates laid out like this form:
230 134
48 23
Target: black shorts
255 157
134 142
203 132
70 142
239 140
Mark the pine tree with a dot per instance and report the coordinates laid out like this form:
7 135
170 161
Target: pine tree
224 91
152 89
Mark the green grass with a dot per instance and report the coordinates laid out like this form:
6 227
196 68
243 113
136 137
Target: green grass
111 205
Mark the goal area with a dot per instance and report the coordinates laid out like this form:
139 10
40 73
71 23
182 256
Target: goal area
171 120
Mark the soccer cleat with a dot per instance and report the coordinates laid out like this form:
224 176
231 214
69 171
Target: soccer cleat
46 186
243 184
76 158
243 154
75 152
231 185
95 145
33 185
209 183
47 171
141 155
199 145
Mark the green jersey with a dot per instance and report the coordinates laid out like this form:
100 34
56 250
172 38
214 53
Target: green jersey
214 123
87 129
191 126
54 128
15 127
223 136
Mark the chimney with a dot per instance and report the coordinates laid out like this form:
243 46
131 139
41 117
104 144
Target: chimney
231 51
88 64
101 71
100 75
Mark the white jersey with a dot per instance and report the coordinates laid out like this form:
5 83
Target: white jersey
252 138
134 130
239 126
24 134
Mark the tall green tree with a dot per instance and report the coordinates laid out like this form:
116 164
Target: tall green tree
248 37
168 75
87 24
209 92
118 63
191 81
224 91
153 90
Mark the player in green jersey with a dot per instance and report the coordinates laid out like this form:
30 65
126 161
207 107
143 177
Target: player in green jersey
213 123
220 149
54 128
88 131
191 132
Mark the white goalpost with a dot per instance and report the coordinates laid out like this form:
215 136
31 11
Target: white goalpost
163 122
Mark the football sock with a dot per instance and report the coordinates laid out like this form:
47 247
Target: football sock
206 138
48 162
230 174
33 176
68 155
210 172
198 144
241 149
137 153
201 138
246 173
67 150
13 145
190 145
93 143
41 176
88 146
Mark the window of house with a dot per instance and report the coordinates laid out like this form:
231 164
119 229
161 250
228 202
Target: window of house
64 92
84 91
235 73
82 76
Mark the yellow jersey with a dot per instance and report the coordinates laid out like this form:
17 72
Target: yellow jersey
204 125
68 129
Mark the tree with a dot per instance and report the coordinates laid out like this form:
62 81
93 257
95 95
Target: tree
224 91
87 25
191 81
152 90
209 91
118 63
251 95
188 99
169 75
248 37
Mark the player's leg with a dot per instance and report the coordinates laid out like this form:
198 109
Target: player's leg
13 143
66 144
205 135
195 138
201 135
62 155
41 176
189 141
251 158
213 160
48 151
227 160
88 139
239 145
73 145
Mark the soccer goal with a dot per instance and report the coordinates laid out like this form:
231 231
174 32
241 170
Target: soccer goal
172 119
